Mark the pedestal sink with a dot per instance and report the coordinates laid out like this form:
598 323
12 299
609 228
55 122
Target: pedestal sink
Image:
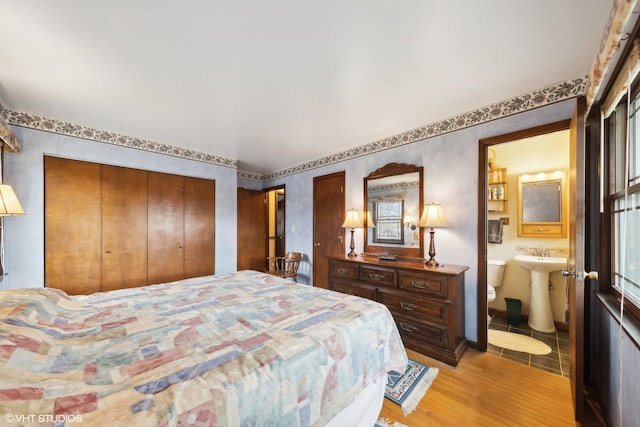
540 315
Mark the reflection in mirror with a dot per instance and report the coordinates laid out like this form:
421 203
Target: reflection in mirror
542 205
387 215
393 199
542 201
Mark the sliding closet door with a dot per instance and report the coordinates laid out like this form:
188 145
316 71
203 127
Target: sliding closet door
72 225
124 228
165 227
199 220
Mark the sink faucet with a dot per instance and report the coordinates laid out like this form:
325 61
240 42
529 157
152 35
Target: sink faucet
540 251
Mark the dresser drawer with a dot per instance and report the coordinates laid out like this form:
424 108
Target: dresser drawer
415 307
351 289
423 283
430 333
343 269
378 276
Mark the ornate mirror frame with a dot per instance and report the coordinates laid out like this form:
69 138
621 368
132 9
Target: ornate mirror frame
389 170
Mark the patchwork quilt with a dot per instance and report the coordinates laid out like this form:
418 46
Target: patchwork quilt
242 349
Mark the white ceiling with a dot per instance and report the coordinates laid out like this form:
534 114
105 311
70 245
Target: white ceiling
276 83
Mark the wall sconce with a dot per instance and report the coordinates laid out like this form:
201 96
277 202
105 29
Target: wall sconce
491 157
432 216
352 221
407 222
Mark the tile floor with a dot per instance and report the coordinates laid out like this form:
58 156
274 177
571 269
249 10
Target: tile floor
557 361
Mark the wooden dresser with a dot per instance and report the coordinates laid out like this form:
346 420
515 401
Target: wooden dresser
426 303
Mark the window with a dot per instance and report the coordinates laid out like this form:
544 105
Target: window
624 192
388 220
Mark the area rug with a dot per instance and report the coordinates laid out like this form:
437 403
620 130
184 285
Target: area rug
386 422
407 389
517 342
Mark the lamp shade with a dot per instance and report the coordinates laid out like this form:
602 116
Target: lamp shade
432 216
352 220
369 219
9 204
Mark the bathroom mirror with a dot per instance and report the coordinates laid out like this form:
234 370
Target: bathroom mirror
542 205
392 207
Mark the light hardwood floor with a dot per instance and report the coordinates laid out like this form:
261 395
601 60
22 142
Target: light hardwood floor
485 390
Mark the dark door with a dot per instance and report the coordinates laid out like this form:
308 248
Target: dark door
280 224
575 262
251 230
328 215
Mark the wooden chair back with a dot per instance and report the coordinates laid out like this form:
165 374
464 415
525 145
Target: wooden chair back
286 266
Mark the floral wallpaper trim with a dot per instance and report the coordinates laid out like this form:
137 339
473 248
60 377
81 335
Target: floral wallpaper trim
7 136
545 96
614 31
62 128
538 98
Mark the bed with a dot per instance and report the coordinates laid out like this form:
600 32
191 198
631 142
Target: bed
240 349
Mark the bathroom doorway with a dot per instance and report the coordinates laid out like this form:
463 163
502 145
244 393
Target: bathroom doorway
584 185
276 229
509 158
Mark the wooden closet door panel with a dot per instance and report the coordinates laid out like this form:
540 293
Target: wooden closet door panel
72 241
165 227
199 227
124 228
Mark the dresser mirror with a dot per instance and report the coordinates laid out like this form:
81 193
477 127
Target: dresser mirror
392 207
542 205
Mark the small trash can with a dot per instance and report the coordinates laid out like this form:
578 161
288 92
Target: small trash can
514 311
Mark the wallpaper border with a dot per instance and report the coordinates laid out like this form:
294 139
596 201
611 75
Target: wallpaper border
538 98
64 128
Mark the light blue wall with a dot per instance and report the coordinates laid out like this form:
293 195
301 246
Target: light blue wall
24 235
450 177
451 169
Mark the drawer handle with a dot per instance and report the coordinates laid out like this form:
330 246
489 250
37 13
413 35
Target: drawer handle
376 276
542 229
419 285
408 328
408 306
342 270
349 291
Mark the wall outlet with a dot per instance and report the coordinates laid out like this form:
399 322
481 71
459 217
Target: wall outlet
522 249
561 251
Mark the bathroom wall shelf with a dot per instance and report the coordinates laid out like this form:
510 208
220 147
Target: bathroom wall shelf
497 192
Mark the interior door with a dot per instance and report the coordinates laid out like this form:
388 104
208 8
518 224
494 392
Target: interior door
575 262
124 228
165 227
251 230
72 209
199 227
328 215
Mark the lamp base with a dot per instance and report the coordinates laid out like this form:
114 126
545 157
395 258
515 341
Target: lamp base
432 262
432 251
353 253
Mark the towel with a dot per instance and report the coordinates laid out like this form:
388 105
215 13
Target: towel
495 231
